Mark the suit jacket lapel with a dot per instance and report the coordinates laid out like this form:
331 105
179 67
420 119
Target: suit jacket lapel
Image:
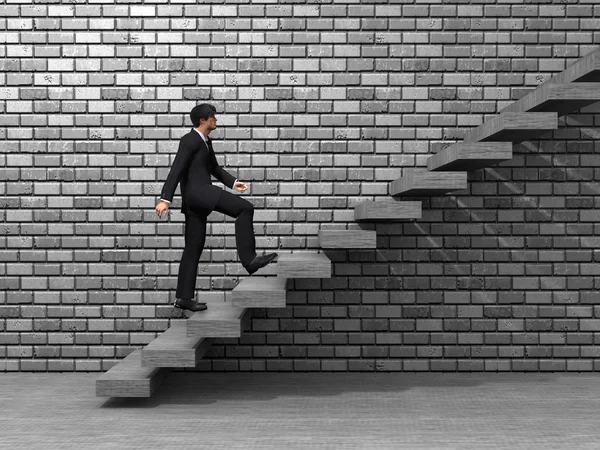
199 137
207 146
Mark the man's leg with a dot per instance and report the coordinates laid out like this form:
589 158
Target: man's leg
243 211
195 236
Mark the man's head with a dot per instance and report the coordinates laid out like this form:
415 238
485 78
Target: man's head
203 117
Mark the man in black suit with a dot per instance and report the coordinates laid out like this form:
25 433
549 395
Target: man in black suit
194 163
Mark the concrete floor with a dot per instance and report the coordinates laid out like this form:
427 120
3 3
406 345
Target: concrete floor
306 411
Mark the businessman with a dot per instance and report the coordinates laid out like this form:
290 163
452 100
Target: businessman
194 163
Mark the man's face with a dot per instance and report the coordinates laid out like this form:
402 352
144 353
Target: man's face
211 123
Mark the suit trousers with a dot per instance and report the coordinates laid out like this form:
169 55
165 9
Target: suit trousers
195 237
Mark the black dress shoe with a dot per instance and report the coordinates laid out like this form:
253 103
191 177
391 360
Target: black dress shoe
188 303
260 261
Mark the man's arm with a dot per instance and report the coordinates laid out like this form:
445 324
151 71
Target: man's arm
182 159
221 174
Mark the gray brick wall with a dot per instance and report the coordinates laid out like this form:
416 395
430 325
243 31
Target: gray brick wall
322 105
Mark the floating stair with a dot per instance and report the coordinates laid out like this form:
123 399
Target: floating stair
221 319
387 211
304 265
186 341
348 238
559 98
514 127
470 156
418 181
174 349
128 378
260 292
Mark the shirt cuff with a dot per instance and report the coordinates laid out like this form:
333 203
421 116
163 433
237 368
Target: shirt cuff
234 183
162 199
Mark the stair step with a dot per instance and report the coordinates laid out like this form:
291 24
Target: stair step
420 181
260 292
347 239
304 265
174 349
387 211
128 378
561 98
220 319
514 127
470 156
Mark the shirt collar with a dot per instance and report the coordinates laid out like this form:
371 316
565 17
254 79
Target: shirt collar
203 137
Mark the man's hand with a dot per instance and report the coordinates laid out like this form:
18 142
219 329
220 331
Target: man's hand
240 187
162 207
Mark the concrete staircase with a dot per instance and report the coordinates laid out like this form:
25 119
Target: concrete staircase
186 341
490 143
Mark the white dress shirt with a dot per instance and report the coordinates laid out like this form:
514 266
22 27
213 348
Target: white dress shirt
205 140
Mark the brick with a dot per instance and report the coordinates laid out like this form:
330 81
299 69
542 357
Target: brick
502 279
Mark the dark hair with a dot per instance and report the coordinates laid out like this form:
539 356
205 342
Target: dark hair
202 111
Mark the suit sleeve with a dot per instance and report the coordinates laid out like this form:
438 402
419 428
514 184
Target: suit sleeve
221 174
180 164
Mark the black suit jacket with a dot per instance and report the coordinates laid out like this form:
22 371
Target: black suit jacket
194 163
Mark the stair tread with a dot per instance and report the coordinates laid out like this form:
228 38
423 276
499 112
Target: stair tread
415 181
220 319
514 127
174 338
560 97
387 211
128 378
173 348
261 292
217 311
262 284
347 238
470 156
303 256
304 265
